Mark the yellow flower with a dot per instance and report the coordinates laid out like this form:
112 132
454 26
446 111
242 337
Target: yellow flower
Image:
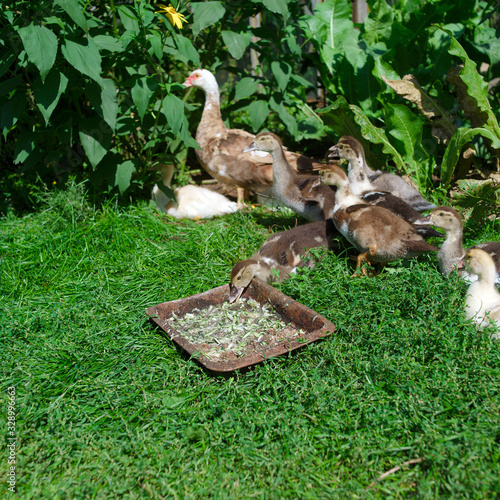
173 16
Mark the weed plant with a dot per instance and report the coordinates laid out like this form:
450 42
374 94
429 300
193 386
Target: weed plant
108 408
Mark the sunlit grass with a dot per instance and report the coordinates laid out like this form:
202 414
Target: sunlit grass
108 408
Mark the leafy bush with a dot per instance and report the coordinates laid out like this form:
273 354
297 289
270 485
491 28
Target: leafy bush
94 90
404 81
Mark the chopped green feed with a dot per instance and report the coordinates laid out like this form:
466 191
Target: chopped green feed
230 331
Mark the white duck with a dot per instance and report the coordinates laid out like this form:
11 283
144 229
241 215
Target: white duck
452 252
384 181
221 149
483 300
191 202
304 194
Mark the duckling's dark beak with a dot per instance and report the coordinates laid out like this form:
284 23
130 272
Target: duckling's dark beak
234 293
334 153
252 147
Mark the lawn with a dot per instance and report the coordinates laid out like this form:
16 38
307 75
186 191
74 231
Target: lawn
402 400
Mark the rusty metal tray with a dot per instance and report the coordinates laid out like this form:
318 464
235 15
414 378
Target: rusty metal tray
300 316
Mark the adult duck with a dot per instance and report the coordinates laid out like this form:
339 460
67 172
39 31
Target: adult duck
221 149
304 194
191 202
382 181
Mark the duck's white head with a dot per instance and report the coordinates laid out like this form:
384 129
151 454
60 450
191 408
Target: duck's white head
203 79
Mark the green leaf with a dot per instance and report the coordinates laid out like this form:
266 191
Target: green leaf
340 118
109 103
48 93
236 43
129 19
378 25
123 175
282 72
246 87
186 49
11 111
41 46
95 138
74 11
168 192
84 58
406 128
173 107
377 136
25 145
107 42
206 14
284 116
259 112
454 149
276 6
478 106
155 44
142 91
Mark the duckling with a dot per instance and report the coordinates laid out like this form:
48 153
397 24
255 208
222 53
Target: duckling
483 300
220 152
351 150
282 252
383 181
379 234
304 194
191 202
451 253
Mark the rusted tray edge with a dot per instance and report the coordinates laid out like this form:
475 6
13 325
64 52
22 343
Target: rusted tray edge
277 350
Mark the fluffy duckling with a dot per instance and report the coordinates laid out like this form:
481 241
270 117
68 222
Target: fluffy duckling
383 181
304 194
191 202
351 150
379 234
483 300
451 253
282 251
221 148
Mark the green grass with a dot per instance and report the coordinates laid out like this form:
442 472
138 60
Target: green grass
108 408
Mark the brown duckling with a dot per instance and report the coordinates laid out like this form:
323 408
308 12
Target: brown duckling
379 234
282 252
452 252
304 194
483 300
220 152
351 150
383 181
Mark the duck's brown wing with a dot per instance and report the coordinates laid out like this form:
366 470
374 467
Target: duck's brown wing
223 158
